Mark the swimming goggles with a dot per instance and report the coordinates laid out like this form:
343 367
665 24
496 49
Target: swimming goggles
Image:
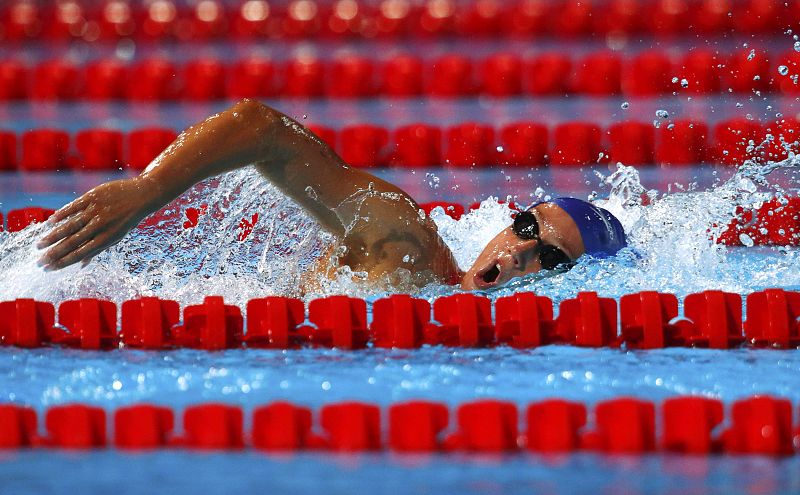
550 257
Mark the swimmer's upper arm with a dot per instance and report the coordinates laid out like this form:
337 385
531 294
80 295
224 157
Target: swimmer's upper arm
307 170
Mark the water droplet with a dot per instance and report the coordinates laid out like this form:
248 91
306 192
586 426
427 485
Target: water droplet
751 55
783 70
326 385
674 80
625 105
662 114
739 105
305 116
797 46
746 240
684 83
499 149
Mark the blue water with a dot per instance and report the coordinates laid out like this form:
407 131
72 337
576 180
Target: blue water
249 378
45 377
174 472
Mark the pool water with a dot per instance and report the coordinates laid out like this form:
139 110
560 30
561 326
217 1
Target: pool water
249 378
673 216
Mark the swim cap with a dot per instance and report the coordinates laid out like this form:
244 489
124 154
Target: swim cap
602 233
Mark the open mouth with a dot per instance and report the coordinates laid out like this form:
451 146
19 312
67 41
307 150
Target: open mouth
490 276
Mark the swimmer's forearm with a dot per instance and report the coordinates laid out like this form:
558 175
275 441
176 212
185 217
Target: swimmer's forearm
226 141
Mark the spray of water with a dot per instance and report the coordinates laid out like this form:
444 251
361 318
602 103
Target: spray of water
248 240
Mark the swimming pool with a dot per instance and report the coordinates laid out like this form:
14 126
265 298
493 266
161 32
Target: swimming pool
673 209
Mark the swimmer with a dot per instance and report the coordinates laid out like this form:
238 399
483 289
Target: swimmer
380 228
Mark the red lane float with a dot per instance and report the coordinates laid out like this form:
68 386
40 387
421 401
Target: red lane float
773 319
520 144
44 150
272 323
26 323
144 145
417 426
399 322
525 320
554 426
464 320
171 20
450 75
688 423
147 322
714 320
341 322
761 425
282 426
89 324
588 320
351 426
485 426
213 426
212 326
647 320
622 426
19 219
75 426
143 426
17 427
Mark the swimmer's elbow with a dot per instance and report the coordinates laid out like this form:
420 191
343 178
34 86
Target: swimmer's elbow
252 111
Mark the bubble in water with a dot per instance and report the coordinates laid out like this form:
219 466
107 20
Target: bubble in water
625 105
797 46
684 83
674 80
499 149
783 70
751 55
662 114
746 240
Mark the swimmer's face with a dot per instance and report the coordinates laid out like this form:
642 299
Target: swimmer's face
508 256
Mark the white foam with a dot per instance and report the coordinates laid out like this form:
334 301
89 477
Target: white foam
671 247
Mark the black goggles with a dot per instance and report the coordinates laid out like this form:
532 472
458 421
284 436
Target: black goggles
550 257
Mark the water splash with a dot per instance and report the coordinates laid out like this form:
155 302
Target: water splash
231 251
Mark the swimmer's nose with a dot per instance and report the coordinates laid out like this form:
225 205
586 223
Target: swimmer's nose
522 252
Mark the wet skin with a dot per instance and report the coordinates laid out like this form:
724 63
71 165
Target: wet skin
507 256
378 225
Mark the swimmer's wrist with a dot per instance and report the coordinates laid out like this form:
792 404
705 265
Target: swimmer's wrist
153 195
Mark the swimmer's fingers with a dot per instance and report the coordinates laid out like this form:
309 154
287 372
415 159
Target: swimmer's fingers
79 204
71 226
52 259
85 252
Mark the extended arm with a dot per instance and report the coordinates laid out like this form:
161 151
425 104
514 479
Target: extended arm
341 198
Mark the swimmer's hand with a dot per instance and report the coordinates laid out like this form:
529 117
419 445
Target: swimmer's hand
98 219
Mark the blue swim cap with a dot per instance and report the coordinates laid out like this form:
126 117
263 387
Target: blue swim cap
602 233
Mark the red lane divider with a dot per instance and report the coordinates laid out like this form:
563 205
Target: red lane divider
142 426
519 144
688 424
111 20
647 320
622 426
760 425
212 326
501 75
